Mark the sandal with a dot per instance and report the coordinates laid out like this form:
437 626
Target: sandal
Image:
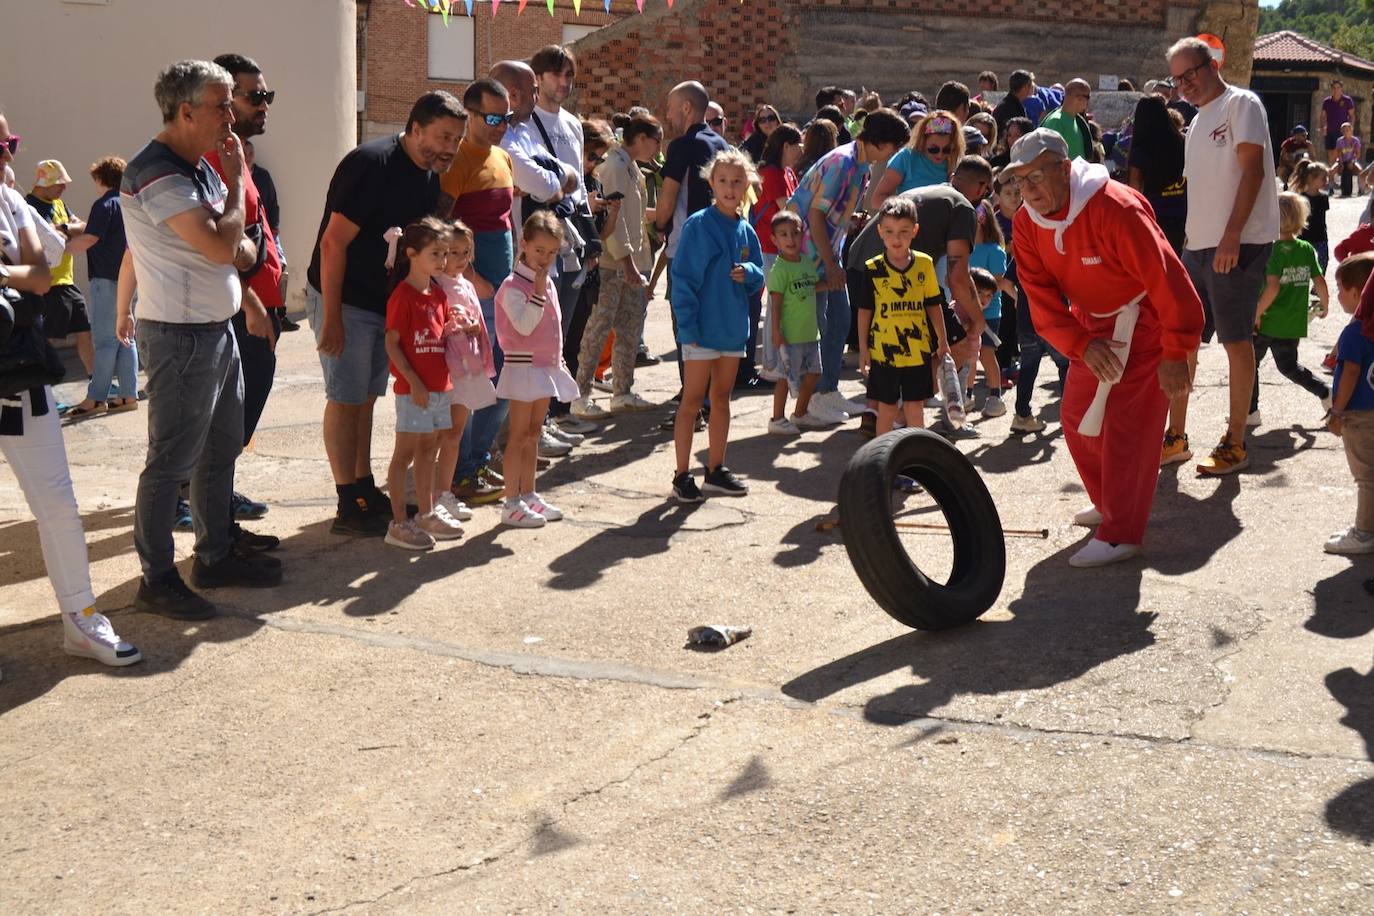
125 404
78 412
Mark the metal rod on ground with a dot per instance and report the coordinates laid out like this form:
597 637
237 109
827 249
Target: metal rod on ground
1009 532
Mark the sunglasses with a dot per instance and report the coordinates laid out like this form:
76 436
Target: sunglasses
494 120
937 150
715 122
767 119
12 142
259 96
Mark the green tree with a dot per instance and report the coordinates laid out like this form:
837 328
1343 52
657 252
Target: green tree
1338 23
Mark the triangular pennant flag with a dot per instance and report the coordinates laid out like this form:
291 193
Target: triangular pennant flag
640 4
608 6
577 7
550 7
468 4
494 5
521 8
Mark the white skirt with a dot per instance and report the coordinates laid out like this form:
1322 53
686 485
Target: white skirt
473 391
523 382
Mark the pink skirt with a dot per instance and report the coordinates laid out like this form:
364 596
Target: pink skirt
523 382
473 391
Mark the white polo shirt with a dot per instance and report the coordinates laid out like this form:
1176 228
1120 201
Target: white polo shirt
1213 171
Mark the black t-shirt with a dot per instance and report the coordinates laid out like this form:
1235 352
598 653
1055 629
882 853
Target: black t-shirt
943 215
686 155
376 186
1316 222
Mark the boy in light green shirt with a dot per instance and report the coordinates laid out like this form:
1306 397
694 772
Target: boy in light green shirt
792 326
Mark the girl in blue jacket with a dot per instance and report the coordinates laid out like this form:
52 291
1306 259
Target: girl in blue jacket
718 267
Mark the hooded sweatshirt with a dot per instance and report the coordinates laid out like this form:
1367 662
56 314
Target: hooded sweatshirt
1101 251
712 310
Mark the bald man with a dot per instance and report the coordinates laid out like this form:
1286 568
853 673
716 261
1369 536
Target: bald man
536 179
1070 121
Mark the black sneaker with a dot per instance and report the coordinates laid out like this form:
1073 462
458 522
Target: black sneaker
721 482
378 502
171 598
287 325
644 358
360 523
237 571
255 542
868 425
685 488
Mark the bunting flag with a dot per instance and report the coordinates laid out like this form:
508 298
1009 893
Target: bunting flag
577 7
445 7
518 10
550 7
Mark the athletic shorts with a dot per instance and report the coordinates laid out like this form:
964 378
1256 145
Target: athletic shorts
1230 300
361 371
890 384
64 312
692 351
1331 140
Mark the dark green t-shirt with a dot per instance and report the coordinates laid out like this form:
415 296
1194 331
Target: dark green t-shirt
1294 262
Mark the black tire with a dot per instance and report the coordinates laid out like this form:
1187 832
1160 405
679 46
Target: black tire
878 554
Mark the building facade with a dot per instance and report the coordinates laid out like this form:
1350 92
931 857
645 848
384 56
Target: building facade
1293 75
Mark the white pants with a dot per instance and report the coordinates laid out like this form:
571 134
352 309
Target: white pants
39 461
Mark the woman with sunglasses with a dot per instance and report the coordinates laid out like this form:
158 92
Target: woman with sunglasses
766 120
937 145
30 436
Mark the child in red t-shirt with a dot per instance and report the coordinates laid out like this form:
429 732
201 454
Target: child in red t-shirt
417 320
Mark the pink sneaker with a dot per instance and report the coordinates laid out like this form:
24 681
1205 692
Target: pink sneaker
517 514
539 507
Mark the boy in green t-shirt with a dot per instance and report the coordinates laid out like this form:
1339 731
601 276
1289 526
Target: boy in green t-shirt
792 323
1281 320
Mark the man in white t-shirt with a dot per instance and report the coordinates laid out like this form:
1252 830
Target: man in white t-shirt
1233 220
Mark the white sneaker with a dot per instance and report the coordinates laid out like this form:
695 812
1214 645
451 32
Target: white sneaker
1254 419
1020 424
518 515
821 409
550 447
1087 518
833 402
587 409
935 402
993 406
536 504
90 635
454 506
630 403
783 427
1350 541
808 420
603 383
853 406
571 424
1100 553
564 435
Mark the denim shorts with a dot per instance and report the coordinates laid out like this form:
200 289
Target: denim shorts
431 418
1230 300
692 351
802 359
360 372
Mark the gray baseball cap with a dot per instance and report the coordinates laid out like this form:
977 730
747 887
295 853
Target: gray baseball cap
1031 145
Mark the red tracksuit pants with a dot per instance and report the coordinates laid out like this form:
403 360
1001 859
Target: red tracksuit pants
1121 466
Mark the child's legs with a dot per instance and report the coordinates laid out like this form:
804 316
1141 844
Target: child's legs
425 450
1286 358
530 456
780 390
887 417
991 371
401 459
723 371
450 445
1358 436
808 388
696 379
523 436
1262 344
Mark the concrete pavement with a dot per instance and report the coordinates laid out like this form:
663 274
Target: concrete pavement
513 724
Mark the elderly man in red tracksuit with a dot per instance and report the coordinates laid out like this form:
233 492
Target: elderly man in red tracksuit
1131 320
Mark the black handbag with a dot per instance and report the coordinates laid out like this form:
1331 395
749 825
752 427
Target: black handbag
27 360
580 216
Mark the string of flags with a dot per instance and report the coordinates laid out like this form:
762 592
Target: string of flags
449 7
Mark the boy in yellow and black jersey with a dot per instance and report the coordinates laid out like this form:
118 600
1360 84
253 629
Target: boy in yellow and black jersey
901 320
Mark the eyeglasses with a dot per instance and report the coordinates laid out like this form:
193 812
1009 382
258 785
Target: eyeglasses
937 150
12 142
715 122
767 119
259 96
494 120
1033 179
1190 74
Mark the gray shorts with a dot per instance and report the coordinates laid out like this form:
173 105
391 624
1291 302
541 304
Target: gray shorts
801 359
1229 301
431 418
360 372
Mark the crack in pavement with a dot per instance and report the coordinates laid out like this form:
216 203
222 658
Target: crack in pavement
547 824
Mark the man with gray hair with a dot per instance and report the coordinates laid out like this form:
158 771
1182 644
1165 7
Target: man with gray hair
185 231
1105 289
1233 220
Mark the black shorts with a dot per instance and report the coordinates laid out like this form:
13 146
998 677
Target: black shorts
890 384
954 331
64 312
1331 141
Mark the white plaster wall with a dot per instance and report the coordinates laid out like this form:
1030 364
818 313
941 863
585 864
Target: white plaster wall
76 82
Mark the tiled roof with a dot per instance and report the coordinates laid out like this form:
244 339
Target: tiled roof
1288 47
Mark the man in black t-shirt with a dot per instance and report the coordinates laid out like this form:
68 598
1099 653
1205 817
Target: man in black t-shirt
391 181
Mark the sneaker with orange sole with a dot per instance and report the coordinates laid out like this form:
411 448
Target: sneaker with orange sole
1226 458
1175 449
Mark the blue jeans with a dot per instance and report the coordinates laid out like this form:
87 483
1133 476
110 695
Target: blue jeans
111 356
195 432
1033 349
483 425
832 314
